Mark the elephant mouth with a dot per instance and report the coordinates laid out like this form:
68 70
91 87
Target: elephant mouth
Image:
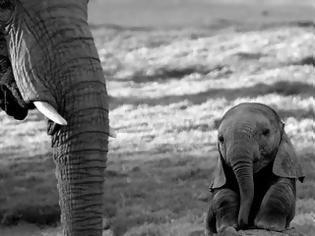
257 165
11 100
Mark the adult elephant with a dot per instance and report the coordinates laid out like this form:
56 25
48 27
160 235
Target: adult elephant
56 67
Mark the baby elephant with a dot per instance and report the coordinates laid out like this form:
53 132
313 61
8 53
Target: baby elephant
255 178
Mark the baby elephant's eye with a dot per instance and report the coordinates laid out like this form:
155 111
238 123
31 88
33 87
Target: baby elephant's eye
220 138
266 132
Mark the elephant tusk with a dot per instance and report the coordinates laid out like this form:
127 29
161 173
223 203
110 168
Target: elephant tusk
112 133
50 112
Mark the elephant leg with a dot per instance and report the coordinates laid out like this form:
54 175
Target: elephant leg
223 213
278 206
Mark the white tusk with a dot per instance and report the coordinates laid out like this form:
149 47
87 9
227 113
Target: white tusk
112 133
50 112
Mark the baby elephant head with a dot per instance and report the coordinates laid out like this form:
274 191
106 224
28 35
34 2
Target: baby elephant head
250 137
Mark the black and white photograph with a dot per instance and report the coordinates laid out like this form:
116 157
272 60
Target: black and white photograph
157 117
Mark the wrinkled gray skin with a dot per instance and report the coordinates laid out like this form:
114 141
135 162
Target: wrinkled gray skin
254 182
54 59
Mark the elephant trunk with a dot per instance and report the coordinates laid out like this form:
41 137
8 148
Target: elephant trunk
243 169
80 148
79 151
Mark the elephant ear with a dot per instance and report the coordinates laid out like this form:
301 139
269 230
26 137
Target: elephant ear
286 163
219 176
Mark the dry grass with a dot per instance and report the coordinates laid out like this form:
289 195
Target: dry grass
168 89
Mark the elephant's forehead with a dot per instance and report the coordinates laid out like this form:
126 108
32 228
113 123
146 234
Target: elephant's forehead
49 2
46 5
252 116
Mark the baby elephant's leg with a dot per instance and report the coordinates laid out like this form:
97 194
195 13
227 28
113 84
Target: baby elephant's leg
278 206
223 212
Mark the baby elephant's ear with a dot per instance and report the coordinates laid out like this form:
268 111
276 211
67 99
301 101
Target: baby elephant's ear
219 176
286 163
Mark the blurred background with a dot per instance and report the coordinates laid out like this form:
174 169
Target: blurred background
197 13
172 69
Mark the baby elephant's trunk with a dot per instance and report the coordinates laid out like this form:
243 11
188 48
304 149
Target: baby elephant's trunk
243 169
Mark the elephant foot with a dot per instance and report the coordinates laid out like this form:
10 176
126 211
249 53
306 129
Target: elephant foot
271 224
228 231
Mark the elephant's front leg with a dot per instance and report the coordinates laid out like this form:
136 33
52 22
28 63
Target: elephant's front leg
278 206
223 213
